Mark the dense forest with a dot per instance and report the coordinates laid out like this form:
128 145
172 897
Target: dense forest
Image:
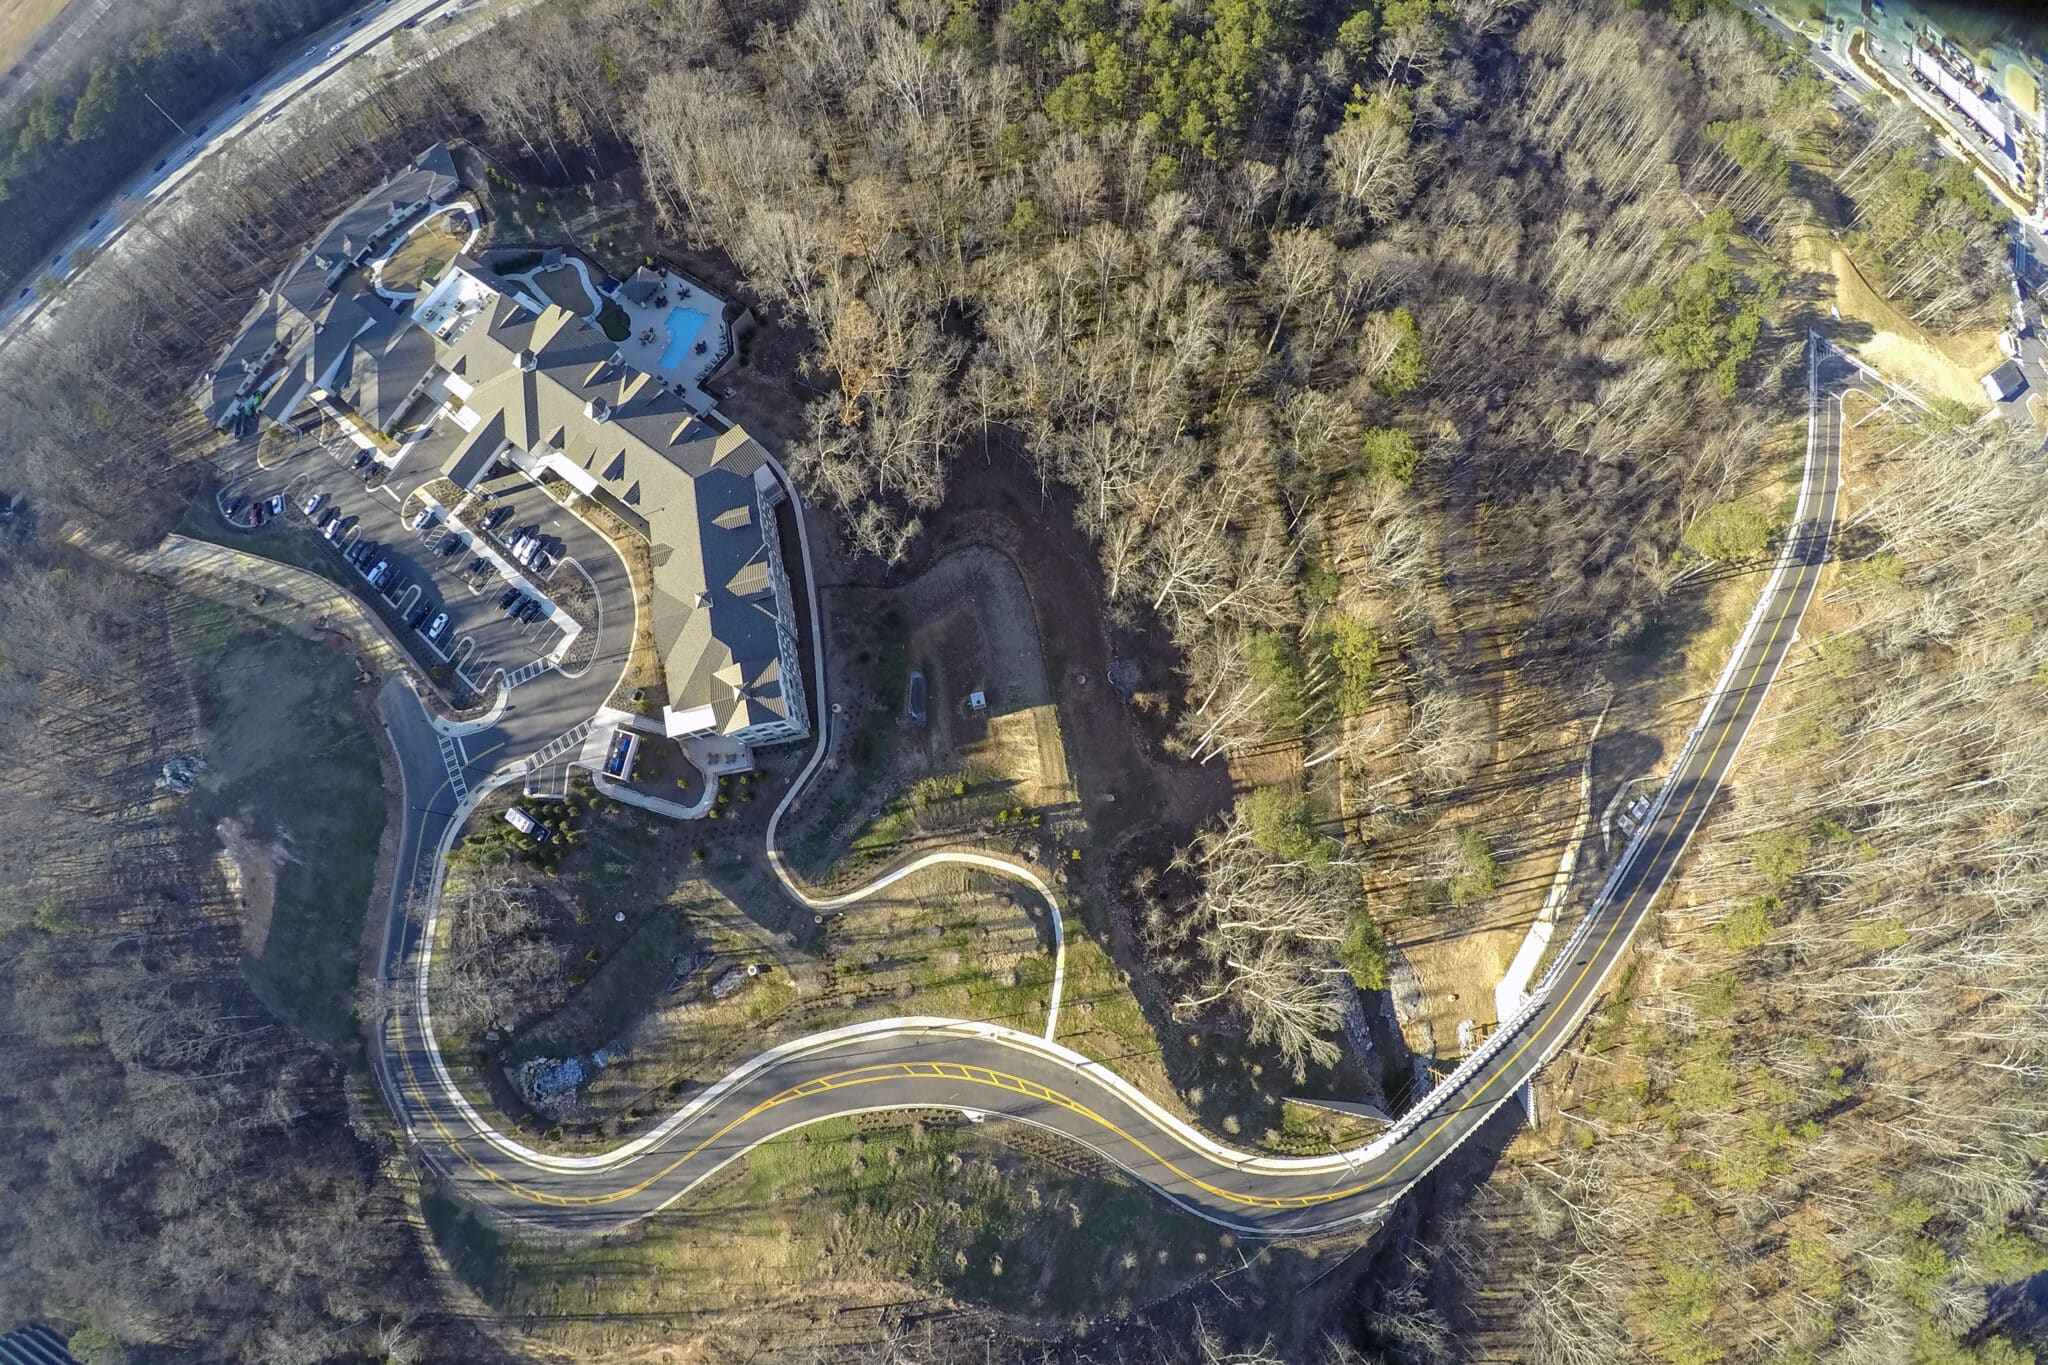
1382 346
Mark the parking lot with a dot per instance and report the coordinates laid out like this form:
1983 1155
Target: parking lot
367 509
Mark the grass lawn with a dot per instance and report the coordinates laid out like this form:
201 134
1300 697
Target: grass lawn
565 287
20 22
420 259
292 766
278 539
844 1214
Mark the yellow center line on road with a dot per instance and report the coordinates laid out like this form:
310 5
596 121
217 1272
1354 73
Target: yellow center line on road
985 1076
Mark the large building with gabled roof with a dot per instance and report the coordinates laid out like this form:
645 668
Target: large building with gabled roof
547 390
317 329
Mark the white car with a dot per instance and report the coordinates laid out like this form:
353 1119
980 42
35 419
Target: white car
438 626
338 49
313 503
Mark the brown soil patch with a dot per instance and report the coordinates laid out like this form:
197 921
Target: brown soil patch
251 872
1936 366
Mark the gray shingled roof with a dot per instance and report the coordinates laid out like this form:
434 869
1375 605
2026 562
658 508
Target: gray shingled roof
551 382
34 1345
302 307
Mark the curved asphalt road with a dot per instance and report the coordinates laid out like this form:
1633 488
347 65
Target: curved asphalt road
952 1064
981 1068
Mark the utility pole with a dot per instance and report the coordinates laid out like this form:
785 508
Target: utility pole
160 109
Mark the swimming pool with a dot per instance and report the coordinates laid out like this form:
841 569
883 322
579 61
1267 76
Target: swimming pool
684 325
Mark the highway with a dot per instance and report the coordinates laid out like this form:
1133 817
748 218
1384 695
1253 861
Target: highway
985 1069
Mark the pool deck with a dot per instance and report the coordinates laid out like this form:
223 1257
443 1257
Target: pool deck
649 338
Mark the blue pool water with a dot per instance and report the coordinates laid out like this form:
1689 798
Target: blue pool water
683 326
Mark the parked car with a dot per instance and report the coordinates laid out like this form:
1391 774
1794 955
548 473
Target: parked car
277 505
453 545
235 507
427 519
420 615
438 628
362 458
313 503
331 517
333 529
377 572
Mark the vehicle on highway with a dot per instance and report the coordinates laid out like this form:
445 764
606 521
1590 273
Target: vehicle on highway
413 22
337 49
94 223
161 164
200 131
246 98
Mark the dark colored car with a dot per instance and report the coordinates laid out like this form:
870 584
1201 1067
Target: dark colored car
161 164
420 615
94 223
362 458
246 98
235 507
507 598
